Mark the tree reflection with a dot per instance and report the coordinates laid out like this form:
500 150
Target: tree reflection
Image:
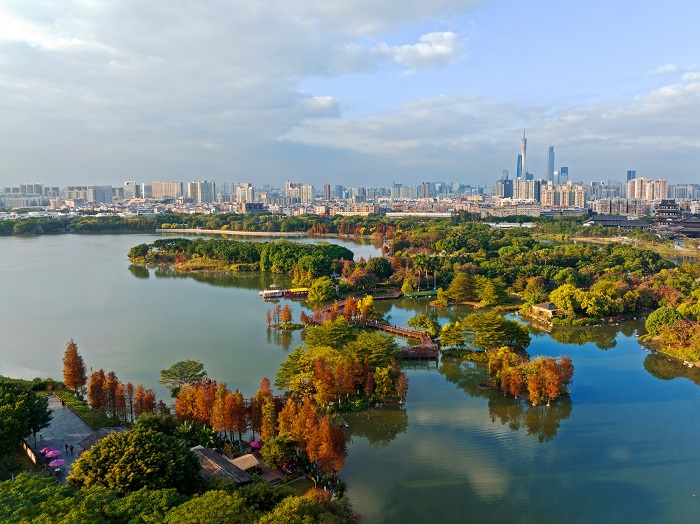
139 271
540 421
665 368
257 281
378 425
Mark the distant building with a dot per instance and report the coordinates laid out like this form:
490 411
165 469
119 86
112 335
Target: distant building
99 194
550 164
251 207
647 190
201 191
165 190
326 192
631 175
245 192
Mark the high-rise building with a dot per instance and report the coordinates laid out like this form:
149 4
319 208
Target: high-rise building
201 191
550 165
563 175
647 190
326 192
165 190
146 190
99 194
425 190
339 191
245 192
523 155
131 189
631 175
519 168
306 194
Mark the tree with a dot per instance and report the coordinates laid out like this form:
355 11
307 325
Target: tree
659 318
489 329
426 322
461 288
22 412
452 335
96 390
286 314
314 506
180 374
269 419
491 292
321 289
239 415
278 450
377 347
380 266
136 459
334 334
74 375
366 308
567 297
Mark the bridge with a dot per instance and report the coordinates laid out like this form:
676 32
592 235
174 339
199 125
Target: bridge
426 349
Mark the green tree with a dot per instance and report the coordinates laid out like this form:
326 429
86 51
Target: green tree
278 450
489 329
212 507
22 412
380 266
135 459
333 334
321 289
461 288
491 292
424 321
659 318
567 297
180 374
315 506
377 347
452 335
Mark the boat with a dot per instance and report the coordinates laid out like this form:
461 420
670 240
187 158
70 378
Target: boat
300 292
273 292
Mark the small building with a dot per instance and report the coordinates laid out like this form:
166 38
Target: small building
620 222
97 435
216 466
689 227
545 309
246 462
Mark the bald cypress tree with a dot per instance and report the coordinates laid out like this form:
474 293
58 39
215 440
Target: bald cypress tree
74 375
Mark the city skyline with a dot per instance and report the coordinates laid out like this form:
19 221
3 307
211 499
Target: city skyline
108 92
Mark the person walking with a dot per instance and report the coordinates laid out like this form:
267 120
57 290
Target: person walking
66 448
71 449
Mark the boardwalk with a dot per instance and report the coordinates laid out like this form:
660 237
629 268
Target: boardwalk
65 428
426 349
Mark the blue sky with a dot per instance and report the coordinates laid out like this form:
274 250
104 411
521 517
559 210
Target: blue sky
358 93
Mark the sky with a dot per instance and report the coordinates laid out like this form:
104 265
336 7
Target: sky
352 92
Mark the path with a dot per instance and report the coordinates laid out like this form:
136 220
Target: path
65 428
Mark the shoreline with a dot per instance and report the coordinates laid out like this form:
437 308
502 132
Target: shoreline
235 233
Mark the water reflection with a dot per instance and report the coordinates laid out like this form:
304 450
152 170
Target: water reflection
281 337
604 337
540 421
378 425
139 271
664 368
258 281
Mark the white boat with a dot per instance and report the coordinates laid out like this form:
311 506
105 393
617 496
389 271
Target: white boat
273 292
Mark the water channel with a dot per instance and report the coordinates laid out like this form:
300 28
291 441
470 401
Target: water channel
622 448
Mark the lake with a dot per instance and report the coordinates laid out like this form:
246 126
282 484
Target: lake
621 448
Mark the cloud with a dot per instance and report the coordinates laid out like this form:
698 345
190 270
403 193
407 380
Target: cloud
665 69
433 50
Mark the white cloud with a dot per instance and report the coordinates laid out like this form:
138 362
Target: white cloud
665 69
433 50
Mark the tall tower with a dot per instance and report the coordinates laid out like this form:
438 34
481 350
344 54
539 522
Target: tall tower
523 153
550 165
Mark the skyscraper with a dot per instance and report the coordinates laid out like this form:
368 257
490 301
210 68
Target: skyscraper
631 175
326 192
550 165
519 168
563 175
523 155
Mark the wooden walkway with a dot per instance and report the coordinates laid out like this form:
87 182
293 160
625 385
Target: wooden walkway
426 349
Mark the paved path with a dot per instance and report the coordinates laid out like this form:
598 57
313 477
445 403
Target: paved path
66 428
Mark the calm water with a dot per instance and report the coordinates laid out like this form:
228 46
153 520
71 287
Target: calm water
623 448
